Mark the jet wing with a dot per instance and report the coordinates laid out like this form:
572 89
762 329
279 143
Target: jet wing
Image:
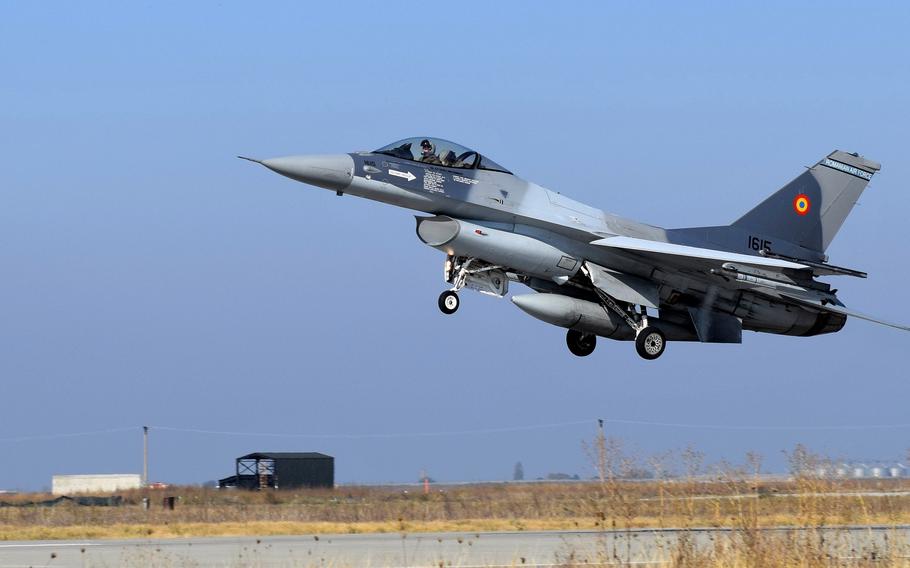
674 250
842 310
694 257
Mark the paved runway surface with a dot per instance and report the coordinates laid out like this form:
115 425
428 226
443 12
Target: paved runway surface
643 547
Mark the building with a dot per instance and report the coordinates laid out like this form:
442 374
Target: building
857 470
282 470
94 483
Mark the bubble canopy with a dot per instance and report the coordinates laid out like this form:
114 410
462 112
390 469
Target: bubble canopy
441 153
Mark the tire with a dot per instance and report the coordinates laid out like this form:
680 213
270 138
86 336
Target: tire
650 343
581 344
449 302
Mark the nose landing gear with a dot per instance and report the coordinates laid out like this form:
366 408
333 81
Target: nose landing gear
448 302
473 273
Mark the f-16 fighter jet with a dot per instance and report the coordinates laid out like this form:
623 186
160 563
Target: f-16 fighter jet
598 274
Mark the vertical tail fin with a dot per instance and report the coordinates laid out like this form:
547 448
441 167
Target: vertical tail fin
810 210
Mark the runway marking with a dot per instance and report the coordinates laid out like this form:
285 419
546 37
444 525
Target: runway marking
51 545
547 565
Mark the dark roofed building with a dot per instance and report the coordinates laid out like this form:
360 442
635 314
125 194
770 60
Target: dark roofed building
282 470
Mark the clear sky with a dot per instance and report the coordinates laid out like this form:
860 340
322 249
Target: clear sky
150 277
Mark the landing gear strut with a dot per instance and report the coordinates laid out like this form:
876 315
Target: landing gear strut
650 342
581 344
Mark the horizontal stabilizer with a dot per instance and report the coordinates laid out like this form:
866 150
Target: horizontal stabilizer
670 249
820 268
842 310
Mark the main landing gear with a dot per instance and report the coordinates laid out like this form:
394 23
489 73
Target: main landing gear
650 342
581 344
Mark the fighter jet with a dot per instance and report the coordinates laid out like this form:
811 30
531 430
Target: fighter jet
600 275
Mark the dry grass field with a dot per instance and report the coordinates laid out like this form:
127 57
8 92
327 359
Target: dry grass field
613 504
734 498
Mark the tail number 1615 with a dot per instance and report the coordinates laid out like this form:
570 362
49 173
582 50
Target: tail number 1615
758 244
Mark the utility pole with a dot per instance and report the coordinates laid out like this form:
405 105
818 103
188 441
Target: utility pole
601 451
145 456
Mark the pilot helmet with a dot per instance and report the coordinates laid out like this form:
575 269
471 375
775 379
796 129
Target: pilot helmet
426 146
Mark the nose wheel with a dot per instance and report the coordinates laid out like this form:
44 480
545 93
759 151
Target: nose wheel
650 343
581 344
449 302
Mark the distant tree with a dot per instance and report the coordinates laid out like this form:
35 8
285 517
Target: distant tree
559 476
639 473
519 473
803 462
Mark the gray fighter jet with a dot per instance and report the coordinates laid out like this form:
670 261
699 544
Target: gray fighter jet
598 274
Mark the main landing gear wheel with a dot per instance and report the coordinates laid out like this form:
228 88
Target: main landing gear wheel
448 302
581 344
650 343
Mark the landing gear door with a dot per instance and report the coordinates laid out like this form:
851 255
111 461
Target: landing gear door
469 273
491 282
624 287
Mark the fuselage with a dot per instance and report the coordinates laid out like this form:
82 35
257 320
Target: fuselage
502 201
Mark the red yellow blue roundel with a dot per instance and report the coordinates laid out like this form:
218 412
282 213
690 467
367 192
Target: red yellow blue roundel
801 204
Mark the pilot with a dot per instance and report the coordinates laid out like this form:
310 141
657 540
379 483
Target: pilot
428 152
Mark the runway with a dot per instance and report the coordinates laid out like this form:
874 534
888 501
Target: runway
464 550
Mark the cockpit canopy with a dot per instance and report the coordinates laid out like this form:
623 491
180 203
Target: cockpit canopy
440 152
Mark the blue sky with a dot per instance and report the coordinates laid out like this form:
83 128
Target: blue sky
150 277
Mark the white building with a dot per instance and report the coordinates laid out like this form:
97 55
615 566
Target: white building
94 483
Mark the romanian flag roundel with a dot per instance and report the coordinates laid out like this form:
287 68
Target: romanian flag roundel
801 204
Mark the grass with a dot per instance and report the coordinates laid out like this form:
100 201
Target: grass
736 498
290 528
613 504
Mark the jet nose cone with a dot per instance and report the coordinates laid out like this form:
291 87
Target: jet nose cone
333 171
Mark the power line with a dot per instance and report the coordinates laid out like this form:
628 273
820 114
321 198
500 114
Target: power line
506 429
758 427
376 435
590 421
32 437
